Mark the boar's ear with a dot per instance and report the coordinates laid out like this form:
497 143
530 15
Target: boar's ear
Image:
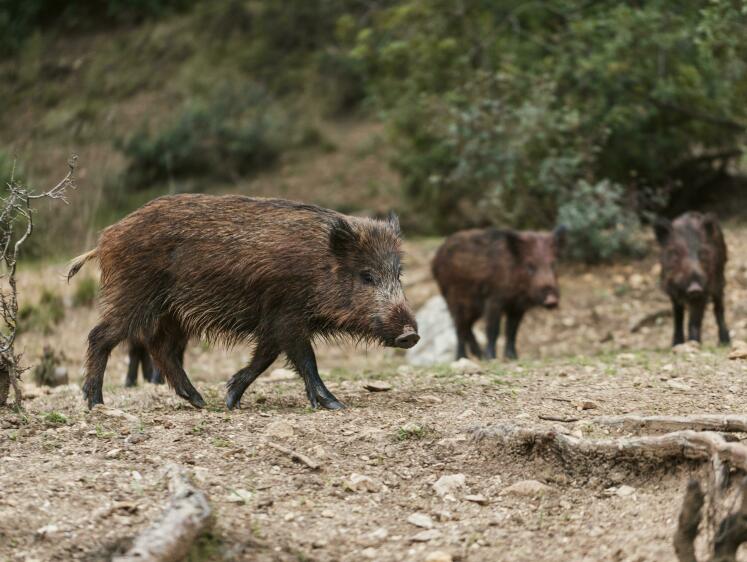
342 238
513 241
710 224
559 236
393 221
662 228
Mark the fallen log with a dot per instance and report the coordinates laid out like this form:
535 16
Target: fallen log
170 538
705 422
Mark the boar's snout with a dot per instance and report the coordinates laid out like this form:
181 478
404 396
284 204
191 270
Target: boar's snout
407 339
695 290
551 301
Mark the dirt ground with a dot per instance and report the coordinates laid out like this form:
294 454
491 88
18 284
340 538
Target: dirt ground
79 485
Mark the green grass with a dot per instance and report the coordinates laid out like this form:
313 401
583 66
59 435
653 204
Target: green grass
55 418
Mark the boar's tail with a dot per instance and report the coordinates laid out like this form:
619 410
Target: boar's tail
79 262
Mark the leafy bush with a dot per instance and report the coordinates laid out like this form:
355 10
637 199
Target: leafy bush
44 316
85 292
234 134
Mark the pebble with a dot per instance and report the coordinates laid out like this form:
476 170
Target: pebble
448 484
362 483
476 498
113 454
586 405
529 488
421 520
426 536
377 386
280 429
677 385
438 556
239 495
465 366
370 553
738 350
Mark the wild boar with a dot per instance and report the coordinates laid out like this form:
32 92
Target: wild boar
693 256
491 272
238 269
139 358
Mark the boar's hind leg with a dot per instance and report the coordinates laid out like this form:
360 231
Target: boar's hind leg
101 340
493 330
301 355
513 320
695 322
167 349
263 357
136 357
678 315
718 310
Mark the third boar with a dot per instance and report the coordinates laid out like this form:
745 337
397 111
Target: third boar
693 256
492 272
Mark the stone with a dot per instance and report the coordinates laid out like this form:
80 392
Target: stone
625 491
421 520
362 483
529 488
239 495
370 553
687 348
280 429
113 454
677 385
438 556
586 405
377 386
476 498
738 350
465 366
426 536
449 484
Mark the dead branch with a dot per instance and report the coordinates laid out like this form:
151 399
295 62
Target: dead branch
686 444
689 521
313 464
16 211
558 419
171 537
705 422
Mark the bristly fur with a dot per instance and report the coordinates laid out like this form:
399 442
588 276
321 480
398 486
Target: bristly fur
236 269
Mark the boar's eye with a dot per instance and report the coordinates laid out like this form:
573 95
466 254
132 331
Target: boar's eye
531 268
367 278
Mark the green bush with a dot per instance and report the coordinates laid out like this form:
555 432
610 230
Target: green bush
43 316
85 292
231 135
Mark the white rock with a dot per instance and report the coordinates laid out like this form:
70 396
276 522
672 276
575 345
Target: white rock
738 350
438 556
677 385
370 553
377 386
449 484
625 491
464 366
476 498
362 483
47 531
239 495
421 520
379 535
426 536
280 429
687 348
529 488
113 453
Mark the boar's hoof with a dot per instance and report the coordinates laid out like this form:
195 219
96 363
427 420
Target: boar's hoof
331 404
193 398
233 399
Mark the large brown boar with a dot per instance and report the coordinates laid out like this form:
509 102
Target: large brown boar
239 269
693 256
493 272
139 358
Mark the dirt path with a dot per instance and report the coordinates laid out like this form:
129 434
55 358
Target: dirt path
78 485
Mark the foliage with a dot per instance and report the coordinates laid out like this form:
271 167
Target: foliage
44 315
230 135
85 292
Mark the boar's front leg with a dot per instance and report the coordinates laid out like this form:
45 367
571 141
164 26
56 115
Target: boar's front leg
264 355
678 315
301 355
493 329
136 356
697 309
513 320
718 310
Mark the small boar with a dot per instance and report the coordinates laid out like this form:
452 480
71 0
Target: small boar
140 358
491 272
693 256
238 269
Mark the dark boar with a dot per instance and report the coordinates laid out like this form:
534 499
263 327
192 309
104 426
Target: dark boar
140 359
494 272
239 269
693 256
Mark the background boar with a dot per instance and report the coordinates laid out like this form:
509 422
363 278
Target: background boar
693 256
494 272
139 359
238 269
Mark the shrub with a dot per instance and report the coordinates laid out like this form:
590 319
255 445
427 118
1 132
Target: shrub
85 292
233 134
43 316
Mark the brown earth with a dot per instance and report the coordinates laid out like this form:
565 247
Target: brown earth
80 485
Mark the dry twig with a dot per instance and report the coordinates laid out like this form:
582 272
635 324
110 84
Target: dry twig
313 464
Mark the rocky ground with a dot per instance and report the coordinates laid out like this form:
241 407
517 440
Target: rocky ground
400 475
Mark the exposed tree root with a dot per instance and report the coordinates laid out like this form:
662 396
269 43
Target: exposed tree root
171 537
706 422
